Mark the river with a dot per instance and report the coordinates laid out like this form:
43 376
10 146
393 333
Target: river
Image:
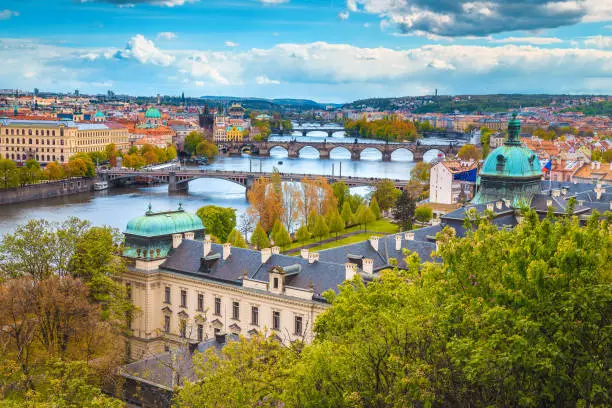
117 206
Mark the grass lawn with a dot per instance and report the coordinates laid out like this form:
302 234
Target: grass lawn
382 226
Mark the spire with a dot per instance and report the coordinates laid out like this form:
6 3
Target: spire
514 128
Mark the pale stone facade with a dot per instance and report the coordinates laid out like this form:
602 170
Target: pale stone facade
48 141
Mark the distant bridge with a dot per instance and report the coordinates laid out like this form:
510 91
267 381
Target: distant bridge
294 147
306 130
178 180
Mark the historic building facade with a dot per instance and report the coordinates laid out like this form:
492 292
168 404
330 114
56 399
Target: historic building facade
52 140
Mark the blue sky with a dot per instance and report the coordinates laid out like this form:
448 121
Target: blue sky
334 50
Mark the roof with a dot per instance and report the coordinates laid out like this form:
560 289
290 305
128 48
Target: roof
164 223
152 113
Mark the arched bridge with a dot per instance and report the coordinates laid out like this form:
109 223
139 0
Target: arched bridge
293 148
178 180
306 130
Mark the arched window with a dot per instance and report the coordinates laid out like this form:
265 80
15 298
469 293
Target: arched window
13 156
62 159
53 157
30 132
30 141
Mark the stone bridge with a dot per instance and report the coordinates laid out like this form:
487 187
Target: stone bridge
293 148
178 180
306 130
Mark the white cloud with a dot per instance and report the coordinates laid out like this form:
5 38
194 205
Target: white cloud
366 25
273 1
598 41
132 3
264 80
343 15
231 44
167 35
528 40
145 52
6 14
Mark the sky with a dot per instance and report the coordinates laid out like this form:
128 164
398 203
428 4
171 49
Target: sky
326 50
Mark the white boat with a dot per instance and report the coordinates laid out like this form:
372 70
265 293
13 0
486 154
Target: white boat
100 185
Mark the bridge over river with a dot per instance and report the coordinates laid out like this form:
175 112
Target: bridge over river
293 148
178 179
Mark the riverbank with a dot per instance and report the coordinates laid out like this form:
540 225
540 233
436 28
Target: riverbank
45 190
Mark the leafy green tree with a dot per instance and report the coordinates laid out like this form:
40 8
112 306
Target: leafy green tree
54 171
375 208
336 224
341 192
365 215
311 220
192 140
281 236
302 234
404 211
355 200
90 167
320 228
207 149
347 214
469 152
423 214
420 172
259 238
218 221
385 194
31 172
9 175
236 239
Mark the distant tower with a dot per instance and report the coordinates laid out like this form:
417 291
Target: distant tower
436 92
76 92
36 91
183 98
15 110
158 99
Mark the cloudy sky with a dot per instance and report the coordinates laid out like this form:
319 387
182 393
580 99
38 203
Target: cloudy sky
327 50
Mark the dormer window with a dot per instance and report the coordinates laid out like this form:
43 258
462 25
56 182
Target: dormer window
275 283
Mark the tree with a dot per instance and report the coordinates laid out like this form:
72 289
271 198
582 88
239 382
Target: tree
218 221
31 172
192 140
375 208
76 168
385 194
404 210
320 228
423 214
347 214
9 175
266 202
469 152
336 224
365 215
302 234
341 192
54 171
420 172
260 239
281 236
207 149
89 164
111 154
236 239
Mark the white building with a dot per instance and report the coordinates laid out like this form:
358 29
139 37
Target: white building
452 181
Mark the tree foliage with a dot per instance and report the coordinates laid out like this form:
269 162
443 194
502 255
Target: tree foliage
420 172
385 194
236 239
259 238
218 221
392 129
469 152
404 211
423 214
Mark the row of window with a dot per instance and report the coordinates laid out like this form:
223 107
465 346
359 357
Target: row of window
39 158
30 141
276 322
29 149
30 133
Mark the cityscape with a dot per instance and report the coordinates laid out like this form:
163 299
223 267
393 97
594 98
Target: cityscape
292 203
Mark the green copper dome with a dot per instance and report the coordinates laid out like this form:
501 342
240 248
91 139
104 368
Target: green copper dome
165 223
99 114
152 113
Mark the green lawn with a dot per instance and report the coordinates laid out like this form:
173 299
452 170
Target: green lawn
380 226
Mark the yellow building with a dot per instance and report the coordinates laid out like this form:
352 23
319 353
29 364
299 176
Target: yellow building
234 133
52 140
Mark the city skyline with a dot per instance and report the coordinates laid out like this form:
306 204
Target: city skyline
329 51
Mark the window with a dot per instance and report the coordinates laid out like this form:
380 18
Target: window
183 328
200 302
298 325
200 332
218 306
276 320
275 283
166 324
255 315
167 295
183 298
236 311
128 290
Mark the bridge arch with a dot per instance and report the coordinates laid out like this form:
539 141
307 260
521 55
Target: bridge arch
402 154
433 154
371 153
279 151
309 152
340 152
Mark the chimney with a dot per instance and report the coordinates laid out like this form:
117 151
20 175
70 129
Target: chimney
266 253
499 204
599 191
592 165
227 250
549 203
220 338
507 202
564 191
409 236
313 257
304 253
580 203
189 235
610 205
367 265
207 245
435 221
275 250
207 237
351 270
374 242
398 242
598 165
176 240
556 192
490 206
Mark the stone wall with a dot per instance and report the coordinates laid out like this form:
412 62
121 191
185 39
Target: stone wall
46 190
